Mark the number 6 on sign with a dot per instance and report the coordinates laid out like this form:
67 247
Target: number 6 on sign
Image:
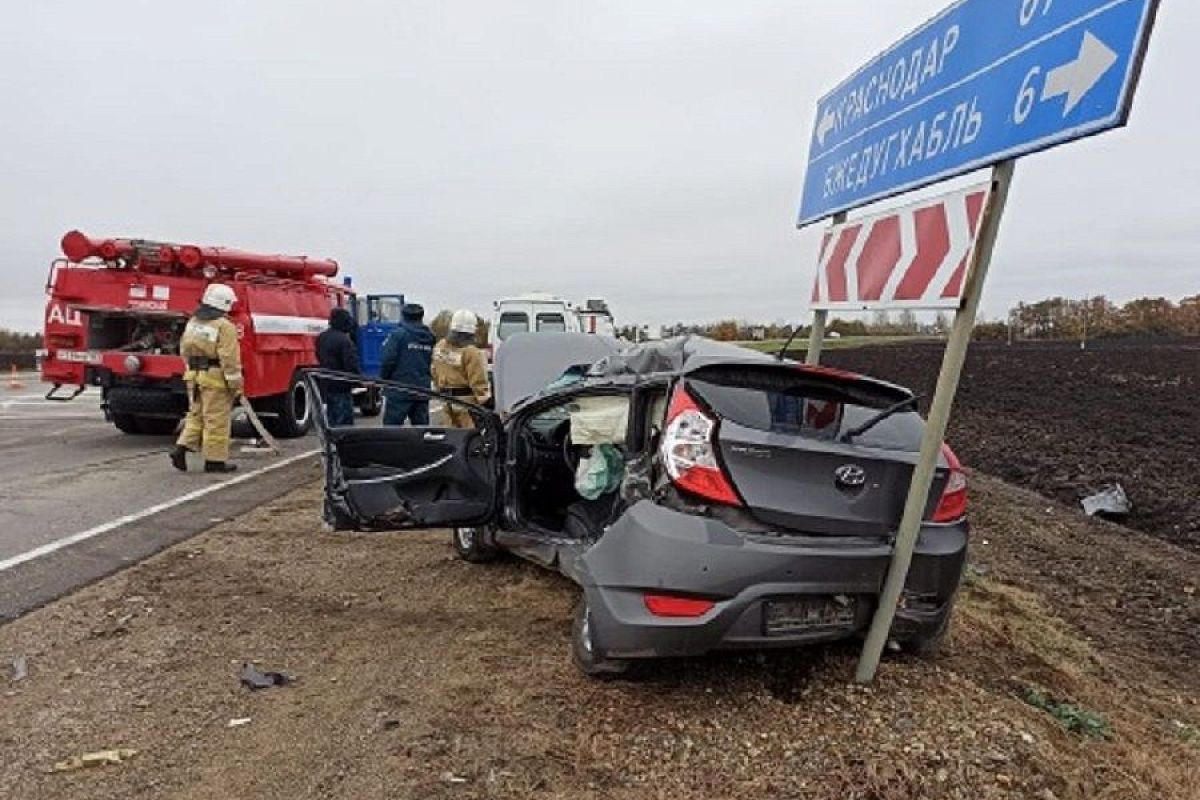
1029 9
1027 97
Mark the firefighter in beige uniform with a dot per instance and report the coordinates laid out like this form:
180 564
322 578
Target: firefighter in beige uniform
460 369
209 347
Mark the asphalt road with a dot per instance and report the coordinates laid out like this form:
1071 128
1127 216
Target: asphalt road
79 499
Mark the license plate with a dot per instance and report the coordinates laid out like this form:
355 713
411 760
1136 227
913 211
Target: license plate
807 613
80 356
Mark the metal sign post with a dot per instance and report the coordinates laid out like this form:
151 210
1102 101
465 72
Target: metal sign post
935 428
816 339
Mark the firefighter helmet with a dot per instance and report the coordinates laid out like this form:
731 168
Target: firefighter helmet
463 321
219 296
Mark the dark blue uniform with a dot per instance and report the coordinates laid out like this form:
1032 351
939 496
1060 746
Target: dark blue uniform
407 354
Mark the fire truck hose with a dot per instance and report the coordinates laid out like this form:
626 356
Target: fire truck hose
257 423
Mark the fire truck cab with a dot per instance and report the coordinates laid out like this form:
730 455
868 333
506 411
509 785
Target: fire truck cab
117 308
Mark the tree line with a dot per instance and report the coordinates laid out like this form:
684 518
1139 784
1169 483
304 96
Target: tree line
1052 318
1097 318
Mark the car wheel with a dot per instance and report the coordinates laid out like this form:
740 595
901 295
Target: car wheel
471 545
588 656
930 644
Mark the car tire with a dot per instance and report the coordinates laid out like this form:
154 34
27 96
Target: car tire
930 645
156 426
471 545
293 411
588 657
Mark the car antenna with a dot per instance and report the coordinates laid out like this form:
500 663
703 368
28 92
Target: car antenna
783 350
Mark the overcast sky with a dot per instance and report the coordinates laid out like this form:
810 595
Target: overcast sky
647 151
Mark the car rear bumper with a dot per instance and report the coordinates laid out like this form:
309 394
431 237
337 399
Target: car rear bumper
652 549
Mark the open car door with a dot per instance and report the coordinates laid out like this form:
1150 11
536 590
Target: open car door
396 478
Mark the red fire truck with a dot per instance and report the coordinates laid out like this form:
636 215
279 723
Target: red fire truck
117 308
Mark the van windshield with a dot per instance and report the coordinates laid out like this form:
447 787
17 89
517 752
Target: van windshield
551 323
512 322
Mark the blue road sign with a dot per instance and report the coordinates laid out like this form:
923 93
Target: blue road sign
984 81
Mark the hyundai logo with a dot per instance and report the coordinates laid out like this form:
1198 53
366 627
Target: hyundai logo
850 476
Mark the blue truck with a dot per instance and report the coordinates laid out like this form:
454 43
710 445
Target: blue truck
377 316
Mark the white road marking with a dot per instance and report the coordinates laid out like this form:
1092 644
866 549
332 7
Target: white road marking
48 417
75 538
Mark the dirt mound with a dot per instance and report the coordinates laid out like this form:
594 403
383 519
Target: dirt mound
420 676
1066 421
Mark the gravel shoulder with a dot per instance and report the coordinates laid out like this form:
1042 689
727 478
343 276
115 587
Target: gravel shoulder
421 676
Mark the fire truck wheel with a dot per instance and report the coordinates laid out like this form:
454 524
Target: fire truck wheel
126 423
157 426
294 412
136 425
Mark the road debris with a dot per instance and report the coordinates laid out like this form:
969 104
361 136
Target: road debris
20 669
99 758
238 722
450 777
253 678
1110 501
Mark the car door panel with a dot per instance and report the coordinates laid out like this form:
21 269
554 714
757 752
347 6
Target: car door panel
395 478
416 477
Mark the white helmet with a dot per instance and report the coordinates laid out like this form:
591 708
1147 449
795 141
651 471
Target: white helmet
463 321
219 296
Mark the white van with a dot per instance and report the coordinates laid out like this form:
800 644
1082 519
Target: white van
594 317
531 313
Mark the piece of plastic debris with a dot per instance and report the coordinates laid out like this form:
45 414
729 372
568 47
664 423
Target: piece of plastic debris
254 678
1110 501
99 758
238 722
450 777
20 668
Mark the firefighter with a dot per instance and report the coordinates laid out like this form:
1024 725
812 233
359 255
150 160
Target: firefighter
209 347
407 358
460 369
336 351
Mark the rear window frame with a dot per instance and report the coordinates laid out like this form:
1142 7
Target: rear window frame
501 333
540 316
866 396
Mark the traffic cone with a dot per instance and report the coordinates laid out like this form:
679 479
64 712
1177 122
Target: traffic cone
14 382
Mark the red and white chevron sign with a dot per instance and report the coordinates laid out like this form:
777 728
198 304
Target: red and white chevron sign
912 257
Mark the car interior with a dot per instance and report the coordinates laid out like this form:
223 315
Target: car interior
570 462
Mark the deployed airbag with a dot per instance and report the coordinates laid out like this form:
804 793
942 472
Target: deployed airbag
600 473
599 420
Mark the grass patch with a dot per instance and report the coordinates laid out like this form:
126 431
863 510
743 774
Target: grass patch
1185 732
1075 719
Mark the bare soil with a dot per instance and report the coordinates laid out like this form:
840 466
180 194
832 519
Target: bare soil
1066 421
421 676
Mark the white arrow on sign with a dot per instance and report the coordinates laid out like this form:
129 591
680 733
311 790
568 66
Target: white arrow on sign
827 124
1076 78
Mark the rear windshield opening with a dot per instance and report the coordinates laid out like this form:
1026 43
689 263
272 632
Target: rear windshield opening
512 322
816 407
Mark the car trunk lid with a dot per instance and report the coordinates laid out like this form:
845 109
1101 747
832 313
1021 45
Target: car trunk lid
780 437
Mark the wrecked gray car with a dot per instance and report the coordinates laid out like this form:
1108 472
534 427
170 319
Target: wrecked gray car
704 497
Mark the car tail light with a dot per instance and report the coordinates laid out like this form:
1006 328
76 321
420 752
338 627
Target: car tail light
689 452
666 605
953 504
